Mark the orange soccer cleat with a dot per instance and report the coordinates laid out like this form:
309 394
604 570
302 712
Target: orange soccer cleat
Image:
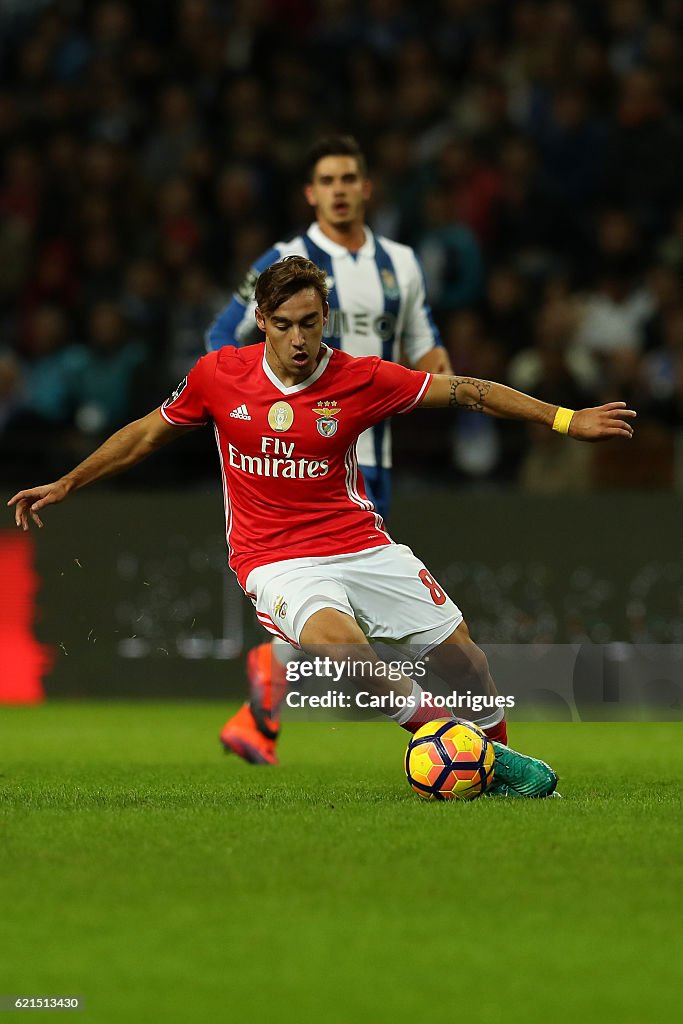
252 733
242 736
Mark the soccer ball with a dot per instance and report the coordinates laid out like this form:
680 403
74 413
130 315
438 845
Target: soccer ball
449 759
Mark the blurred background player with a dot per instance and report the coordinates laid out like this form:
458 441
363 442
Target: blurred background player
378 307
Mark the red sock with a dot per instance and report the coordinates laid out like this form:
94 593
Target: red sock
499 732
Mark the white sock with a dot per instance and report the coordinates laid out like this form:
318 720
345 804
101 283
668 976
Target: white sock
488 721
405 714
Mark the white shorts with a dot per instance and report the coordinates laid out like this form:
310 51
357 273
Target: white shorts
387 590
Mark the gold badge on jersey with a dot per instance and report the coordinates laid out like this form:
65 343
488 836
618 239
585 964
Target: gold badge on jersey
326 423
280 416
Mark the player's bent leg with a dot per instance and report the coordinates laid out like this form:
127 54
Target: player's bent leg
459 659
335 634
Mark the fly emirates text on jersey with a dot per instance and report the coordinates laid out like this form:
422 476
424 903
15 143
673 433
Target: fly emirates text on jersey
277 459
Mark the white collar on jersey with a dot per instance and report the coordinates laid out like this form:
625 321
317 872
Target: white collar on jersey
317 373
317 235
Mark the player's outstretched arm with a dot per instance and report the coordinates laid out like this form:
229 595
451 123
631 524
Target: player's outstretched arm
122 450
474 395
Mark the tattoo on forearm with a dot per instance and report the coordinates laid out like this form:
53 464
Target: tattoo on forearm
469 393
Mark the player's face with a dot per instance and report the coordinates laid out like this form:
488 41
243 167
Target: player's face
338 192
294 334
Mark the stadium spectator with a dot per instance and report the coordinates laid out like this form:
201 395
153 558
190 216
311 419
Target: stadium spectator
554 364
472 186
663 371
628 22
645 154
180 226
50 365
482 112
55 278
22 187
144 302
614 314
451 258
195 304
572 148
177 134
670 249
104 388
11 390
666 290
526 221
101 266
553 367
507 309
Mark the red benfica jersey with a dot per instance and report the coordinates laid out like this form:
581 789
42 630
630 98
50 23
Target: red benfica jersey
288 454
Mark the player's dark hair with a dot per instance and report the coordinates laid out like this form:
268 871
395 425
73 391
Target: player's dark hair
334 145
285 278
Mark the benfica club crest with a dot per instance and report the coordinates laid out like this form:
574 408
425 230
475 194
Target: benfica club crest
327 422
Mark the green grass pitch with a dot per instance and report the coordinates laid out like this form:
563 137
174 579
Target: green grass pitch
145 871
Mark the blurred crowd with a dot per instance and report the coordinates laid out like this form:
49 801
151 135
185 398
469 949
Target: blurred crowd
531 151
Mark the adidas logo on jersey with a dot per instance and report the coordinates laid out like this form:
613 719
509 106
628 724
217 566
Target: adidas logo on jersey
240 413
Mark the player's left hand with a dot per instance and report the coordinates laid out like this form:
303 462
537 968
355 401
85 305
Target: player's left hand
602 423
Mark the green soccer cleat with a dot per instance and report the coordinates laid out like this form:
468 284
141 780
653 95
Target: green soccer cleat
501 790
516 774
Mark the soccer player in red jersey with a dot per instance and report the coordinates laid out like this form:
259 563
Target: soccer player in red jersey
377 307
306 544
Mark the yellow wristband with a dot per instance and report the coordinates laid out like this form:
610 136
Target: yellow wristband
563 418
